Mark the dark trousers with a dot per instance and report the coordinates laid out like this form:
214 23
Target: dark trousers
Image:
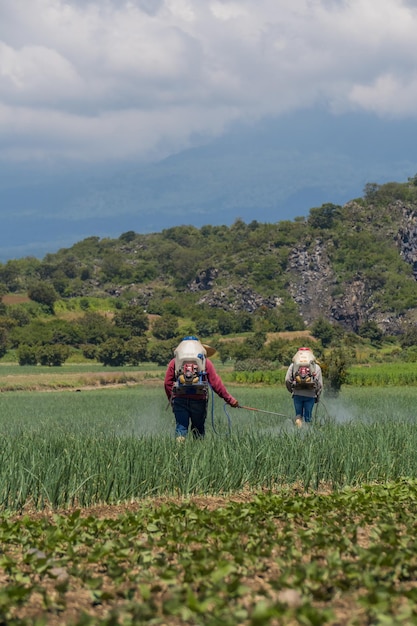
189 413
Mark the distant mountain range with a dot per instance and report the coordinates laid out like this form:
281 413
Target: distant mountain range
270 172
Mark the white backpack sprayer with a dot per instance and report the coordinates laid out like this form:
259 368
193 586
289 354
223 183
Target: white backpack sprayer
304 369
190 367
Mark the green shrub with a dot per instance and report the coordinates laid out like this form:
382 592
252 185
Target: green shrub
54 355
26 355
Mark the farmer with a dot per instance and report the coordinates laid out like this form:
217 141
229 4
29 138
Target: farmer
304 381
187 380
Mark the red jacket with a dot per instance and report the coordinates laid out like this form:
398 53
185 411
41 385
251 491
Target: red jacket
213 379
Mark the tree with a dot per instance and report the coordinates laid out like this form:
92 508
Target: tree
132 318
89 351
256 342
62 331
136 350
37 333
26 355
162 352
409 338
43 293
165 327
334 369
94 328
371 191
241 352
323 330
113 267
60 282
324 216
206 326
226 322
224 351
69 266
53 356
244 322
112 352
370 330
10 275
19 314
128 236
3 341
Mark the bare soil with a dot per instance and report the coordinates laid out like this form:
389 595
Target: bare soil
77 381
13 298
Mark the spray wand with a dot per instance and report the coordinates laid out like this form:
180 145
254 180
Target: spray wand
240 406
250 408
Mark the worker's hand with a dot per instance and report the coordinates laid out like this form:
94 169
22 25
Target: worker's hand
316 399
234 403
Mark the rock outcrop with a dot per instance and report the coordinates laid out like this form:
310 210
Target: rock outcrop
317 290
406 238
318 293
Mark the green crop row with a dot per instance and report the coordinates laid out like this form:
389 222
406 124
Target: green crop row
346 558
267 377
378 375
384 374
79 449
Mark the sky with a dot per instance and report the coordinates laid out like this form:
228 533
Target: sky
90 89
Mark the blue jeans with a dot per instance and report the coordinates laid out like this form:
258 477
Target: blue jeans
188 413
304 407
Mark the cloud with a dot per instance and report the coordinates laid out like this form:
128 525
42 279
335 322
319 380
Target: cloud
37 75
90 80
389 95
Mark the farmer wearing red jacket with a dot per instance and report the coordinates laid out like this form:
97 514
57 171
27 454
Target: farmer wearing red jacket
187 380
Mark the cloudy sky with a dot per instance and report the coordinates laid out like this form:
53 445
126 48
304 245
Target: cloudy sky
88 84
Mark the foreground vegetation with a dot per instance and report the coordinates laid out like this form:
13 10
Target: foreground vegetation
264 559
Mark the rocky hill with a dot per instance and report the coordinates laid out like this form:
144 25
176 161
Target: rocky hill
347 264
315 283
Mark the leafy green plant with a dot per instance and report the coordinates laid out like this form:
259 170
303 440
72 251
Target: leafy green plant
262 558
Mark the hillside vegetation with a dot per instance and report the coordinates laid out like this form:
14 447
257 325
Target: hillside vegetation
343 271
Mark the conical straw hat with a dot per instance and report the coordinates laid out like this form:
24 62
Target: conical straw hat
209 350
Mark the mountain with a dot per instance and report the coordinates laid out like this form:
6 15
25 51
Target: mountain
269 171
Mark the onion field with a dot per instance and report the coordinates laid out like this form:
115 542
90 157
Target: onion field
106 520
66 449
